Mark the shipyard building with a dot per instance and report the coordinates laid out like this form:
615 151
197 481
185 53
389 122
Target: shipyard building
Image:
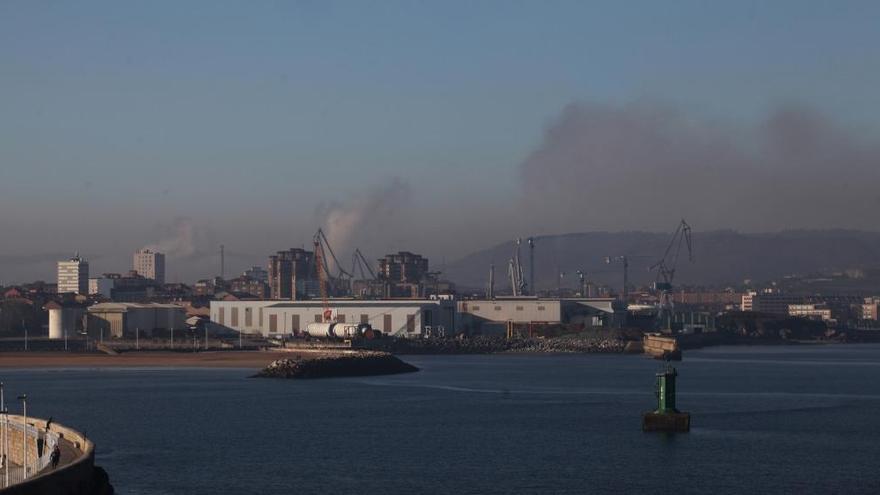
491 316
402 318
414 317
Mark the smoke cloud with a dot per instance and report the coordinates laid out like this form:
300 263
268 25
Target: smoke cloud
363 219
180 242
642 166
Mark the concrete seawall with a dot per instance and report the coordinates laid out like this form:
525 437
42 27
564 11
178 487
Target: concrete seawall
76 474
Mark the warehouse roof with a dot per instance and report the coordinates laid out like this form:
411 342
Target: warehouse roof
123 306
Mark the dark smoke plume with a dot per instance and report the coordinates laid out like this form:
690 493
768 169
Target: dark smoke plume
643 166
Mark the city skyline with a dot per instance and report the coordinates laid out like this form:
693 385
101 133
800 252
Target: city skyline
439 246
252 126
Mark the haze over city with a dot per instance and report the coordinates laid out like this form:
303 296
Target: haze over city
398 247
441 128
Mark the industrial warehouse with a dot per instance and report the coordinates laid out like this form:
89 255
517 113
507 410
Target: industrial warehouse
413 318
402 318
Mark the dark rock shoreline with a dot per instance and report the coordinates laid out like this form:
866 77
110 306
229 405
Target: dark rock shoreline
365 363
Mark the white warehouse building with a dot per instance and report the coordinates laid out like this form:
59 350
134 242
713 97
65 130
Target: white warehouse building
492 315
402 318
122 319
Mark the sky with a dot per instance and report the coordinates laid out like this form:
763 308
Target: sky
436 127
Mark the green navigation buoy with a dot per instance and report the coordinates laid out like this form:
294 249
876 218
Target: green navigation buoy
666 417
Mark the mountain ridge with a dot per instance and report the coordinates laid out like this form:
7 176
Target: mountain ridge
721 257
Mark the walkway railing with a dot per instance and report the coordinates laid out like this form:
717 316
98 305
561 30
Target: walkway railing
37 445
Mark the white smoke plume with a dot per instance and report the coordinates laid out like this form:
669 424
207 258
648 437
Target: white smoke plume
364 218
644 166
180 240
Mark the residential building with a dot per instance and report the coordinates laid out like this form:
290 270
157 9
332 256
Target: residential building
811 311
73 276
871 309
248 285
291 274
403 267
102 286
257 273
769 301
131 287
149 264
406 275
713 299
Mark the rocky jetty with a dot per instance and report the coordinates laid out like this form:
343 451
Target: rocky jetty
348 364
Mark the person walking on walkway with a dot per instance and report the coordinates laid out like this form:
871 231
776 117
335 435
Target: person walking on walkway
56 456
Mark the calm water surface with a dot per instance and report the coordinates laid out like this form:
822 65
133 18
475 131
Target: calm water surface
765 419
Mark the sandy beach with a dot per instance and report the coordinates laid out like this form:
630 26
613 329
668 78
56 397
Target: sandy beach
208 359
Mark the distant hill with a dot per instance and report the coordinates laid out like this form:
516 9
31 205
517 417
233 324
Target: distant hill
720 257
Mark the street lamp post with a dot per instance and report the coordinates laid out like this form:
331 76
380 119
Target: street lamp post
137 339
23 399
172 337
3 434
5 413
25 334
5 446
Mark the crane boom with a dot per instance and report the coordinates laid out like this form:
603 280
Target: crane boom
667 264
321 266
515 272
360 263
666 271
321 238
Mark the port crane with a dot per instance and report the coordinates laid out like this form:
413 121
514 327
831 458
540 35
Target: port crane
369 281
582 280
531 242
624 260
515 272
322 267
665 269
490 286
359 264
321 239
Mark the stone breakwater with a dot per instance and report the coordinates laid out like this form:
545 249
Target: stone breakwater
490 345
349 364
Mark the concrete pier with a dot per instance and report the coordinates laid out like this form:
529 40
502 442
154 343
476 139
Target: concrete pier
75 474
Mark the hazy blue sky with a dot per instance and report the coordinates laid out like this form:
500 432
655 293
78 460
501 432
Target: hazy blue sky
123 123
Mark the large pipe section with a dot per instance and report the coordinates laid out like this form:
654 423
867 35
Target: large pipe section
334 330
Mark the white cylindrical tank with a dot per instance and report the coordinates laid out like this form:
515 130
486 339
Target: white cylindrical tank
320 330
336 330
56 323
